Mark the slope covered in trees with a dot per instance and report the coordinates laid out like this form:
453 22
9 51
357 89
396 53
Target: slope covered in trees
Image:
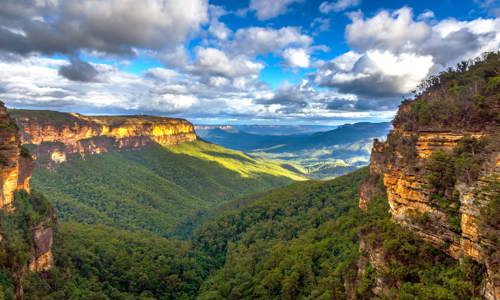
295 242
155 187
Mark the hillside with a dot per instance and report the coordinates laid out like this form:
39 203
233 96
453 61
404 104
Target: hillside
154 188
295 242
321 155
137 172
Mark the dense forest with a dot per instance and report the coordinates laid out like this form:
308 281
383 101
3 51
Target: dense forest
296 242
155 188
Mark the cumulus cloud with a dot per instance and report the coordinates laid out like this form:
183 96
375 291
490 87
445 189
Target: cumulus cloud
114 26
378 74
78 70
217 28
336 6
296 58
265 9
392 52
214 62
260 40
396 31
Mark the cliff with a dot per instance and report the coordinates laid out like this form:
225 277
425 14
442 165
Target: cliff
54 136
26 220
440 167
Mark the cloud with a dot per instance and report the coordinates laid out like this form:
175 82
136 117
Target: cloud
78 70
265 9
337 6
377 74
217 28
112 26
286 99
396 31
392 52
296 58
260 40
491 6
322 24
214 62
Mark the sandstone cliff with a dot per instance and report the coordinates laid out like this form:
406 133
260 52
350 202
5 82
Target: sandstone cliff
54 136
440 167
21 212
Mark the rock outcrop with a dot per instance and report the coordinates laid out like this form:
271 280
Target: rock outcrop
442 172
54 137
16 167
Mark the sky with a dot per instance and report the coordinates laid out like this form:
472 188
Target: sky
235 62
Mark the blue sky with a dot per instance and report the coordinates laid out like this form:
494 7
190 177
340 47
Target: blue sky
235 62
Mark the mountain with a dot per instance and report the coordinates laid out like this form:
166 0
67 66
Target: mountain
321 154
137 172
266 129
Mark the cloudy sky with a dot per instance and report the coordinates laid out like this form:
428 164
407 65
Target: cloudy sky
226 61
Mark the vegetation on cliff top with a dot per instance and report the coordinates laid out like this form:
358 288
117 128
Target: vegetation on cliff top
464 98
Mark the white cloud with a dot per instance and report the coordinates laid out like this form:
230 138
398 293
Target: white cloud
396 31
392 52
296 57
214 62
217 28
377 73
260 40
336 6
268 9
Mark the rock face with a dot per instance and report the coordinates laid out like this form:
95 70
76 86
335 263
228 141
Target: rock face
16 167
438 183
42 259
401 163
54 137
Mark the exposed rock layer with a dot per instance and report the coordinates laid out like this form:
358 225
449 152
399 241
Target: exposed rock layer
53 136
15 170
401 162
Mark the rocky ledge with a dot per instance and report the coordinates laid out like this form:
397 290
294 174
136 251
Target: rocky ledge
53 137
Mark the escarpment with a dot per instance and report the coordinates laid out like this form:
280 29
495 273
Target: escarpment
26 220
53 137
440 167
16 166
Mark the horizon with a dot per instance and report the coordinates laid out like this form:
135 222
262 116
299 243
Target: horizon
286 62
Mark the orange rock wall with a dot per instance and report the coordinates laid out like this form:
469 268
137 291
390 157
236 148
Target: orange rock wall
410 197
55 140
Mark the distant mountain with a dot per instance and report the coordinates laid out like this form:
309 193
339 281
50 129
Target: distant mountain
321 154
267 129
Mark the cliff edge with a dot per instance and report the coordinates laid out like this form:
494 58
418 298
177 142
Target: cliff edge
440 166
53 137
27 220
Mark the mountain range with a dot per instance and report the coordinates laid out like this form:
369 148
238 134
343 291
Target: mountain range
320 155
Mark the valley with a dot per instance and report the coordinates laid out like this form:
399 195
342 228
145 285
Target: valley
140 207
319 154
